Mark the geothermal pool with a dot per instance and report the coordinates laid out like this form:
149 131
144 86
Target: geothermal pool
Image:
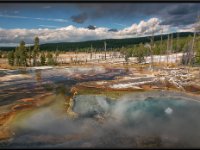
161 119
133 120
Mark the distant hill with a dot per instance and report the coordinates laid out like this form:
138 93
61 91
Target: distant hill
99 44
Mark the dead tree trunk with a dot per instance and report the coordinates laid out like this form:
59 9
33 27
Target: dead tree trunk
91 52
191 54
151 49
105 49
160 46
167 49
177 46
171 47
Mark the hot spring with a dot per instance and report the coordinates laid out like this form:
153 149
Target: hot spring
142 119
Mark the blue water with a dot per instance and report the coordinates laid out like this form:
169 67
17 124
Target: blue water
136 120
172 118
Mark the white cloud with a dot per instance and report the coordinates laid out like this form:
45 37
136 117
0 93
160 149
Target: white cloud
74 34
145 28
42 19
188 28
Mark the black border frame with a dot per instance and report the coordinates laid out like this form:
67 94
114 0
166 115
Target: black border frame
99 1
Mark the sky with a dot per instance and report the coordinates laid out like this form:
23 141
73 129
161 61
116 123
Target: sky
72 22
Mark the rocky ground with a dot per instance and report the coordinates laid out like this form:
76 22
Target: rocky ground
167 78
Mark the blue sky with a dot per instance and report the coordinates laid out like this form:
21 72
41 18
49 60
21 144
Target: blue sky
22 21
23 17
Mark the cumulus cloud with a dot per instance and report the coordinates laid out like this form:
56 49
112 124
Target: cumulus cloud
145 28
73 34
188 28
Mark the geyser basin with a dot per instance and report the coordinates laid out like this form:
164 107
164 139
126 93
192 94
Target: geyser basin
152 119
135 120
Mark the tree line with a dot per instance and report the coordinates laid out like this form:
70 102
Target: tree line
168 46
190 46
27 56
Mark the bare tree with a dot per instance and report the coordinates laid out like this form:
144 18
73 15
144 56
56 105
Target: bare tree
171 44
171 51
168 42
161 42
150 49
91 50
177 45
191 52
196 30
105 48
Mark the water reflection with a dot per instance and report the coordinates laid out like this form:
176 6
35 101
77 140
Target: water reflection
62 89
38 76
29 82
23 71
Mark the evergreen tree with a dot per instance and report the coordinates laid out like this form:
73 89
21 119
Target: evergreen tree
17 56
42 59
50 60
29 55
23 54
11 58
1 54
36 49
140 53
197 44
56 55
186 59
197 48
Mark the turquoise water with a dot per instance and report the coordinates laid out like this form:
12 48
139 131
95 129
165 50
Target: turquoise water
171 118
148 119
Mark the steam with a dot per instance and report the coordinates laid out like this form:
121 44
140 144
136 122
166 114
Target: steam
129 121
169 111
